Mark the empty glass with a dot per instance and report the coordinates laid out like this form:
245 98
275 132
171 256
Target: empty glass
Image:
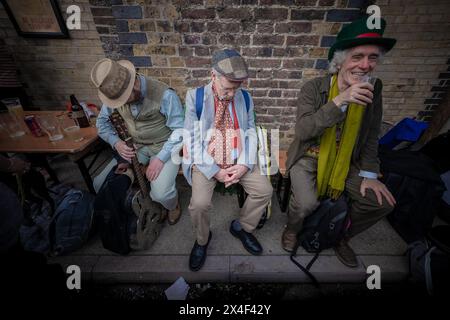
50 126
70 127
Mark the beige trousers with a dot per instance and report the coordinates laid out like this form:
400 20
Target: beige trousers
259 192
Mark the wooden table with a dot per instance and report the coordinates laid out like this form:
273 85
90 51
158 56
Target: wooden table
76 151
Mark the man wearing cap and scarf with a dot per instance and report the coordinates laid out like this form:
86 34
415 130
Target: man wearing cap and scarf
221 146
336 138
151 111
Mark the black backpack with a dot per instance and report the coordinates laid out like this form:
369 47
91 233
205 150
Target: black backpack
323 229
114 214
414 181
429 261
62 230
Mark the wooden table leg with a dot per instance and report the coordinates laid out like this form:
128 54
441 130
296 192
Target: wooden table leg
86 176
41 161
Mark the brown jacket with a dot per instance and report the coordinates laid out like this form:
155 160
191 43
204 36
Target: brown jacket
315 114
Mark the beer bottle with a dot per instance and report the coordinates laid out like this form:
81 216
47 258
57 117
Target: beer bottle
78 112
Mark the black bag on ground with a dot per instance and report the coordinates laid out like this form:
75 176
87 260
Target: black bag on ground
113 214
323 229
435 150
429 261
414 181
62 230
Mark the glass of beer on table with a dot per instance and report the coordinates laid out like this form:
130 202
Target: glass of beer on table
70 127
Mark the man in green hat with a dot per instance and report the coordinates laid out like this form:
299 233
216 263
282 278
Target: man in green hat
336 138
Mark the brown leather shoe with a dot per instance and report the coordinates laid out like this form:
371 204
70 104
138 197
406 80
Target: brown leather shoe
346 254
174 215
288 239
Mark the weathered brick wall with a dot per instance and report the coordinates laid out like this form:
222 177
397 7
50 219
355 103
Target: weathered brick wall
415 73
285 43
52 69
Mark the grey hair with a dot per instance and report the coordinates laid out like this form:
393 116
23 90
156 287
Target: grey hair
340 56
338 59
216 73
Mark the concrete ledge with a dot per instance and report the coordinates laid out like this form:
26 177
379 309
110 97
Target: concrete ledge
155 269
393 268
230 268
86 264
282 269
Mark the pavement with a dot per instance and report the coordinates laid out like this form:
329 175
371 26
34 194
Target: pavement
227 261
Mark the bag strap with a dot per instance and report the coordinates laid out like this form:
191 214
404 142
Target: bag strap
306 271
246 99
308 267
427 271
200 92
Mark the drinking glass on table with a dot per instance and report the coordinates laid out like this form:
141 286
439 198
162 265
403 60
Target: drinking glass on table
11 125
70 127
14 107
50 126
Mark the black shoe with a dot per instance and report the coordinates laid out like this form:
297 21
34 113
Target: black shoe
198 255
248 240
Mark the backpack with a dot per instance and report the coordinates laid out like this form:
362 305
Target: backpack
200 92
414 181
113 214
321 230
64 230
429 261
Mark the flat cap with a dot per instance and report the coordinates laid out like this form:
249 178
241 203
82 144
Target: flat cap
230 64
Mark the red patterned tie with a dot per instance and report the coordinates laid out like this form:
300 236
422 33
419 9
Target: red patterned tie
221 152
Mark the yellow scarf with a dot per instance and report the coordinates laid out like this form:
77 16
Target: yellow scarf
333 169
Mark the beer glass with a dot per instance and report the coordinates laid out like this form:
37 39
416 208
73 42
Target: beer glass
50 126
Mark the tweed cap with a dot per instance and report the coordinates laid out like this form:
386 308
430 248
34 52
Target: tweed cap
230 64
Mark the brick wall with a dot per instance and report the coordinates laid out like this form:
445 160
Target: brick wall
415 73
284 41
52 69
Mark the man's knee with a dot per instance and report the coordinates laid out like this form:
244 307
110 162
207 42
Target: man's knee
265 190
370 203
161 193
303 205
199 204
262 189
385 207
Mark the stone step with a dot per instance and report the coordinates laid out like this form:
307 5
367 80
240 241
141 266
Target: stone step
230 268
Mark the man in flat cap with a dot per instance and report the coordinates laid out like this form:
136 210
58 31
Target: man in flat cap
222 148
152 112
336 138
